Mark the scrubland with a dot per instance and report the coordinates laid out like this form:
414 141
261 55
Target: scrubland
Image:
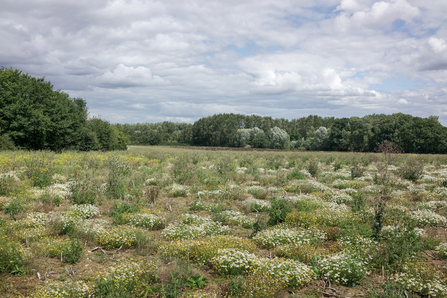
169 222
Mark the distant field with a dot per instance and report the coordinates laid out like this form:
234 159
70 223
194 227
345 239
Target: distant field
158 221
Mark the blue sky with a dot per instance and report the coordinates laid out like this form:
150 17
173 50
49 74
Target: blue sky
149 61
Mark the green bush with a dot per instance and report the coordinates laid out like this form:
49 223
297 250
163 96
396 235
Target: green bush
278 211
72 252
411 170
40 171
312 167
11 254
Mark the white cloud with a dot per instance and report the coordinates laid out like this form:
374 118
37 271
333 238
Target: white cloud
124 77
437 44
148 60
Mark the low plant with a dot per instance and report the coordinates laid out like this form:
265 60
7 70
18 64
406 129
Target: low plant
312 167
123 280
411 170
442 250
423 279
40 171
278 211
72 252
282 235
233 262
67 289
343 269
12 255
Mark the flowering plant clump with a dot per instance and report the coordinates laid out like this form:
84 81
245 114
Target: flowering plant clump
30 234
442 250
52 247
252 204
11 254
355 184
67 289
203 250
257 191
235 218
371 189
193 226
293 274
391 231
279 236
343 269
428 218
432 205
420 278
178 190
360 247
124 278
327 217
115 237
83 211
148 221
4 201
305 253
233 261
339 198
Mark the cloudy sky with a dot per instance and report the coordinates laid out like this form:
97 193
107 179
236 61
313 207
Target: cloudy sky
149 61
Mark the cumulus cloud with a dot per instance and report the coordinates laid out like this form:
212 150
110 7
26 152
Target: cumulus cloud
124 77
155 60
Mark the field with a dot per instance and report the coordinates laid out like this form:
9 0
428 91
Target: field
185 222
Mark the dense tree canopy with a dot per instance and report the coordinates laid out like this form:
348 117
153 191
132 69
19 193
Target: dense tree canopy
411 134
34 116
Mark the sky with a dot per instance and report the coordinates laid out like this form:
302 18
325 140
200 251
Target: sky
173 60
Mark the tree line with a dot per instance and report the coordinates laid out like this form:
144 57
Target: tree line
34 116
361 134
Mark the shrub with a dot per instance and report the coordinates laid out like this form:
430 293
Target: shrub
312 167
305 253
68 289
412 170
72 252
260 285
123 236
11 254
202 251
343 269
123 279
255 205
278 211
8 183
278 236
423 279
40 171
233 261
442 250
293 274
84 191
147 221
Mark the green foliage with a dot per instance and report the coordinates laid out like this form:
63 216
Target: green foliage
312 167
411 170
40 171
357 171
72 252
116 183
390 289
84 191
11 254
401 247
5 142
278 211
196 281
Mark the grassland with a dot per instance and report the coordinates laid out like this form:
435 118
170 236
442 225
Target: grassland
179 222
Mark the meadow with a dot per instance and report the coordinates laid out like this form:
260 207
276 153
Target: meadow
179 222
